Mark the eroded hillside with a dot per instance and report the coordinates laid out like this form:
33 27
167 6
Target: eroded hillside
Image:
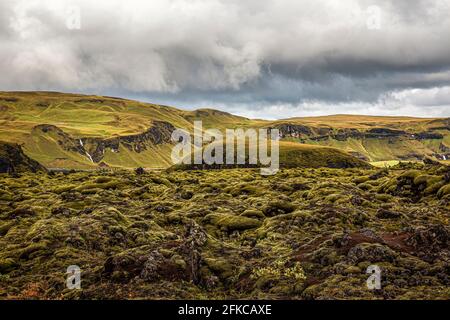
78 131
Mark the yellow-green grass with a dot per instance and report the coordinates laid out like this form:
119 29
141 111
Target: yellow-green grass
155 157
363 121
96 116
83 116
385 164
294 155
302 155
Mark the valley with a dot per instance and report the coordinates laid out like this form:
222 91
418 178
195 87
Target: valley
88 181
77 131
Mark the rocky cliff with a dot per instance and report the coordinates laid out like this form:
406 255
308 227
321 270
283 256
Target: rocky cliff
13 160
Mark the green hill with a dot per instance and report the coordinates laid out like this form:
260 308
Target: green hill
81 131
373 138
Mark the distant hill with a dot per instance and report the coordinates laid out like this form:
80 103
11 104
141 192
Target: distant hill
373 138
81 131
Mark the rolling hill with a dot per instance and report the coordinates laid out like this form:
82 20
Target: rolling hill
83 131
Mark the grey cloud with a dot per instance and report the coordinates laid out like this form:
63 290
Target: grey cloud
237 55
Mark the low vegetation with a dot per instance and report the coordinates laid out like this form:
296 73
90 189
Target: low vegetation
304 233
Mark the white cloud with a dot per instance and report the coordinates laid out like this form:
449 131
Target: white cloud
256 54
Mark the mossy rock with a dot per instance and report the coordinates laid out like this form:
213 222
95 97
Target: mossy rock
365 186
371 252
161 180
110 184
219 266
175 218
444 191
332 198
275 208
5 195
434 188
104 179
244 189
33 250
411 174
230 222
384 197
253 213
427 180
352 270
25 211
360 180
5 227
111 212
7 265
64 188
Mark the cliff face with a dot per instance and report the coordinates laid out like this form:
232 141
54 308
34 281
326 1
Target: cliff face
13 160
159 133
93 149
318 134
377 143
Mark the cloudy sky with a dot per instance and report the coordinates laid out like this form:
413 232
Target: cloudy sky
257 58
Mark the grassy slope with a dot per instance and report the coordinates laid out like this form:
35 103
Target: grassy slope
105 117
296 155
378 149
363 122
301 155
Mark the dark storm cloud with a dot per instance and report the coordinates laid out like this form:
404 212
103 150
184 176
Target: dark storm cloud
259 58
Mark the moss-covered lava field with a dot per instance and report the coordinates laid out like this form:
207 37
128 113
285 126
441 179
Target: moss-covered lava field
227 234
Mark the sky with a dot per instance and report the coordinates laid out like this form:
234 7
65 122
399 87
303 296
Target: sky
266 59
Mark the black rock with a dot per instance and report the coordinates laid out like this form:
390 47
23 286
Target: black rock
139 171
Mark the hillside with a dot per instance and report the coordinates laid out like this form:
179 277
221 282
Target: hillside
13 160
79 131
292 155
309 232
373 138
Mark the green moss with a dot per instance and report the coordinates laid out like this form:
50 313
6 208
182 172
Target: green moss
384 197
279 269
64 188
252 213
33 249
103 179
5 195
160 180
434 188
5 227
427 180
175 218
111 184
229 222
445 190
7 265
412 174
353 270
278 207
317 220
332 198
244 189
362 179
365 186
220 267
179 261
